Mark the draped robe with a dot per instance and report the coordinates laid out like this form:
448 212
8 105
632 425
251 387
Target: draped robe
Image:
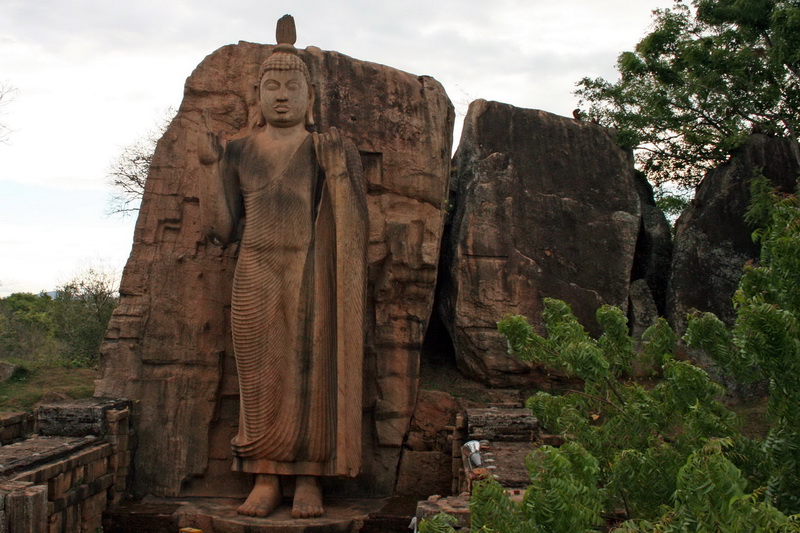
297 313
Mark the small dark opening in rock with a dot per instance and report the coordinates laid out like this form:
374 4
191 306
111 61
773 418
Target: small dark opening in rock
437 347
438 350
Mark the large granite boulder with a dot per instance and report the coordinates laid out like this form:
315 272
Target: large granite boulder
545 206
168 346
712 239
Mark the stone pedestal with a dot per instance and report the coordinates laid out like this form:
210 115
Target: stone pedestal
218 515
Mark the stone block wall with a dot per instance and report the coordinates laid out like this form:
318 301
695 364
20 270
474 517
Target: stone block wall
425 463
63 483
15 426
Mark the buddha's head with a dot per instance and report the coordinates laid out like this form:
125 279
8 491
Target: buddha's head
285 91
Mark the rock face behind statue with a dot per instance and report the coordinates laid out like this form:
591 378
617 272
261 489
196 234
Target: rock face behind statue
169 346
545 207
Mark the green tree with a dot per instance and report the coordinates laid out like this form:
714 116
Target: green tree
639 436
700 82
671 454
765 340
67 328
26 326
82 308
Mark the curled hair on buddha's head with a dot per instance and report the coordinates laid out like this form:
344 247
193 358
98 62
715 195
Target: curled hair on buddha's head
284 56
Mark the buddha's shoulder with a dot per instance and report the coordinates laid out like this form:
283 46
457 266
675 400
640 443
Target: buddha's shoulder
239 145
242 149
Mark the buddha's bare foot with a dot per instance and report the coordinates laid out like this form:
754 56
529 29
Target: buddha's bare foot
264 498
307 497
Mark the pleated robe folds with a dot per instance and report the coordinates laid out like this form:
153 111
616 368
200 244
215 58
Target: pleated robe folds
297 315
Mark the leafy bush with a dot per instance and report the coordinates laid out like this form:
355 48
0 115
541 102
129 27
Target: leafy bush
82 309
563 496
67 328
765 340
710 496
640 437
26 327
671 454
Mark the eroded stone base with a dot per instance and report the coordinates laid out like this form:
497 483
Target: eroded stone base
218 515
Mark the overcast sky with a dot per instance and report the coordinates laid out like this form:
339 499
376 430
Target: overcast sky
93 76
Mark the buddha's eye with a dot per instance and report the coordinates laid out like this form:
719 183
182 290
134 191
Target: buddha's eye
293 85
271 85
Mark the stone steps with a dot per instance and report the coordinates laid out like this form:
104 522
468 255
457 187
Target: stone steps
507 435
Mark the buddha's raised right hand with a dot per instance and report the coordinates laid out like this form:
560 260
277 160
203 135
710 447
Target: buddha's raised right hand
329 148
210 145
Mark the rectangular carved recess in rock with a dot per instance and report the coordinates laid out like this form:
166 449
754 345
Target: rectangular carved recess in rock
372 163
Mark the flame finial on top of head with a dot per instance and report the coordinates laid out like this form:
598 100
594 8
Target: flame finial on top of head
285 31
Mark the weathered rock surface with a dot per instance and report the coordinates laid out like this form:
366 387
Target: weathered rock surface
7 370
168 345
426 461
77 418
653 256
422 474
712 239
502 424
642 309
544 207
433 420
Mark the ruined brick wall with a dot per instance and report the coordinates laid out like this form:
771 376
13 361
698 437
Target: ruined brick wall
15 426
62 484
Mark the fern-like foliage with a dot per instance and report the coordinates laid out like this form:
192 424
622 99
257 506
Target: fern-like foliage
615 343
765 341
563 497
567 347
639 436
440 523
670 454
710 497
491 510
564 493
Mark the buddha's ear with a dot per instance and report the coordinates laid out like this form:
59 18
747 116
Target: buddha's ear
310 109
260 120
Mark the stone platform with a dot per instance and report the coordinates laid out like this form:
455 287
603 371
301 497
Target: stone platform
218 515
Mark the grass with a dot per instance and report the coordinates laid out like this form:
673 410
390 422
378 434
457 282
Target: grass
31 383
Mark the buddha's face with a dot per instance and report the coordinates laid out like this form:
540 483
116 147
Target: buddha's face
285 97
